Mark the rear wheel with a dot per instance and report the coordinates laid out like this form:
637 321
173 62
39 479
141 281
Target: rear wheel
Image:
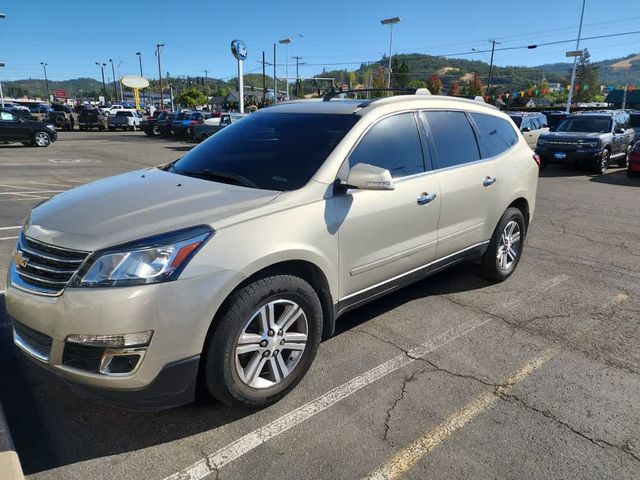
41 139
624 161
505 248
156 131
264 342
601 164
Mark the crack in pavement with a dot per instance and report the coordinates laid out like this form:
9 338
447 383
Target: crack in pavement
397 400
625 448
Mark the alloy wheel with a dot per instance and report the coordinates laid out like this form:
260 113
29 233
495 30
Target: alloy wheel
509 245
42 139
271 344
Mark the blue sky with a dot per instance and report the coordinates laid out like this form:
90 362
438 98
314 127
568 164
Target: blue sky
71 35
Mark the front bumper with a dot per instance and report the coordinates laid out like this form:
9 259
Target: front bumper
559 155
179 313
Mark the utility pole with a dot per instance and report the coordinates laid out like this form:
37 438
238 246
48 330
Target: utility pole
264 81
297 75
575 61
624 97
46 80
158 51
275 76
493 49
104 85
139 54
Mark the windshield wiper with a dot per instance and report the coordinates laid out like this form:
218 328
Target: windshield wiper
216 176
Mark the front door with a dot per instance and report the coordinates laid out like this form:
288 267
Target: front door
12 129
384 234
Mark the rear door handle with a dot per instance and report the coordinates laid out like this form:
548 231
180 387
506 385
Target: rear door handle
425 198
488 181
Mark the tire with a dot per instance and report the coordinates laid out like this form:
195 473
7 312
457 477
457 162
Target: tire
155 131
624 161
600 165
41 139
112 129
59 121
100 128
497 264
225 370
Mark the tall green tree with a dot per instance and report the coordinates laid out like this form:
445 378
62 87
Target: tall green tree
434 84
191 97
587 79
475 87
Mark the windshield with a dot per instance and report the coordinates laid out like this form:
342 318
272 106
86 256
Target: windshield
585 124
271 151
517 120
554 120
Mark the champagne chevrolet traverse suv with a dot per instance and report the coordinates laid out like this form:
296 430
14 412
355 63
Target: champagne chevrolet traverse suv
223 270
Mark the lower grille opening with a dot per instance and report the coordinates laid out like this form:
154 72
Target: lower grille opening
35 343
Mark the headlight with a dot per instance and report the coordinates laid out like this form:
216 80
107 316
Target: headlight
153 260
50 127
589 143
542 141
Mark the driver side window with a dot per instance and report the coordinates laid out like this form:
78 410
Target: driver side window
392 143
8 117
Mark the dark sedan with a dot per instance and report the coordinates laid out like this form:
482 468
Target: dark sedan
28 132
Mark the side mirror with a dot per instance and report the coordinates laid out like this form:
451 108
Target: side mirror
369 177
526 129
619 130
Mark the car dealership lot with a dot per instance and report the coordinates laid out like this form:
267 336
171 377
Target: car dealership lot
534 377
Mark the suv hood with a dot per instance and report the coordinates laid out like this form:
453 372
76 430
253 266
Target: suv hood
571 135
135 205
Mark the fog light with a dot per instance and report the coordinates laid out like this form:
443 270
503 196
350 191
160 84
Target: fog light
122 362
140 339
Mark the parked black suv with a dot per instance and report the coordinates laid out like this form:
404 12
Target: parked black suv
29 132
91 118
594 139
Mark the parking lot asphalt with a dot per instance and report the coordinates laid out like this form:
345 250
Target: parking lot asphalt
452 377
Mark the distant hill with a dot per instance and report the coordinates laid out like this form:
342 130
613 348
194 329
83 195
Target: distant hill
420 66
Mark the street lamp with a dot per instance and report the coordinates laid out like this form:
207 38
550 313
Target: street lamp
139 54
286 43
115 89
104 85
575 61
1 95
46 79
390 21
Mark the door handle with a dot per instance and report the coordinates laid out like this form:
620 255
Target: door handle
488 181
425 198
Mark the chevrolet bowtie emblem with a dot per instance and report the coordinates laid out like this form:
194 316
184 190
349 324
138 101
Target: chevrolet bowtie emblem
19 260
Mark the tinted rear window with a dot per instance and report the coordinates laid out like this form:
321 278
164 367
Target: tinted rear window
272 151
453 137
496 133
635 121
517 120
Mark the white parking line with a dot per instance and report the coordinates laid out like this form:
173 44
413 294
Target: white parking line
17 227
50 184
31 192
7 238
233 451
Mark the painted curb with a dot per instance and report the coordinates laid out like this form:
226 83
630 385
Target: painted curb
10 468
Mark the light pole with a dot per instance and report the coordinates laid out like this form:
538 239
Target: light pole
158 51
139 54
286 43
113 72
46 79
391 22
575 61
1 95
104 85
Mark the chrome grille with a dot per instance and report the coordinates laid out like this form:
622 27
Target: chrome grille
43 268
560 142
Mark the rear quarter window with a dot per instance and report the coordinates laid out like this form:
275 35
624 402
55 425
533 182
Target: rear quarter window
454 139
496 133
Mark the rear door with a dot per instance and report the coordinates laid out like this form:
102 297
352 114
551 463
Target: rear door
12 129
468 183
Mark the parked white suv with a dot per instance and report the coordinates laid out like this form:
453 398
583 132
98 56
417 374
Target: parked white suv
228 266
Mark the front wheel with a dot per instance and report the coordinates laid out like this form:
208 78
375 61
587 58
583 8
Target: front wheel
264 342
41 139
505 248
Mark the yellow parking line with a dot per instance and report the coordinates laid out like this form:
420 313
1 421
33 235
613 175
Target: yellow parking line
406 458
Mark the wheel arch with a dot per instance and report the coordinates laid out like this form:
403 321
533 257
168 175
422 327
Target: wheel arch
522 204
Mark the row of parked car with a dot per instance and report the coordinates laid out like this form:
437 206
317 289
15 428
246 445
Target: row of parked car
595 139
195 125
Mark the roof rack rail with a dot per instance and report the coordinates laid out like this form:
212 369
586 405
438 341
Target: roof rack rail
334 93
